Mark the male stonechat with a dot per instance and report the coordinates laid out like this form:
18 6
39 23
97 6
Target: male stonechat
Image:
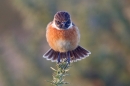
63 37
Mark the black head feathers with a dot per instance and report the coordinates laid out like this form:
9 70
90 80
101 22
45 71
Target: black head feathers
62 16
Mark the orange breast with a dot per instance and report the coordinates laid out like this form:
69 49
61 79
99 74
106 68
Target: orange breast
62 40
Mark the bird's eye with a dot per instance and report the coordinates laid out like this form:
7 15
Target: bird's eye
68 22
58 22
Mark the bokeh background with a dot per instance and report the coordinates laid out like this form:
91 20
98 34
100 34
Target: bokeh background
105 31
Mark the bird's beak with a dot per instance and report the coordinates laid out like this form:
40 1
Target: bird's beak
63 25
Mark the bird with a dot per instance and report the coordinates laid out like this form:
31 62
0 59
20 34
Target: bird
63 37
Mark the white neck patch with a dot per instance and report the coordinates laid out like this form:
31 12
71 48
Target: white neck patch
54 25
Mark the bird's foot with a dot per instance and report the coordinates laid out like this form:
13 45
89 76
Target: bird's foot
58 58
68 59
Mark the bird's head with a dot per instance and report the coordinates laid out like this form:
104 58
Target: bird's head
62 20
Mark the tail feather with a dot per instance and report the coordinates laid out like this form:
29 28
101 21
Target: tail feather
51 55
83 50
79 52
62 55
72 55
48 52
55 56
75 55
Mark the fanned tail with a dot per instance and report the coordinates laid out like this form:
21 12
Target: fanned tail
75 55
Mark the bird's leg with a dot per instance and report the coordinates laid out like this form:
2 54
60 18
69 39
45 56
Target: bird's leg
58 58
68 57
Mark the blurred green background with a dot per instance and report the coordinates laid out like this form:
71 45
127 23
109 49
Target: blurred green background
105 31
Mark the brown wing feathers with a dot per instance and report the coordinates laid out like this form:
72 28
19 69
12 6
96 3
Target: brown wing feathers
75 55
